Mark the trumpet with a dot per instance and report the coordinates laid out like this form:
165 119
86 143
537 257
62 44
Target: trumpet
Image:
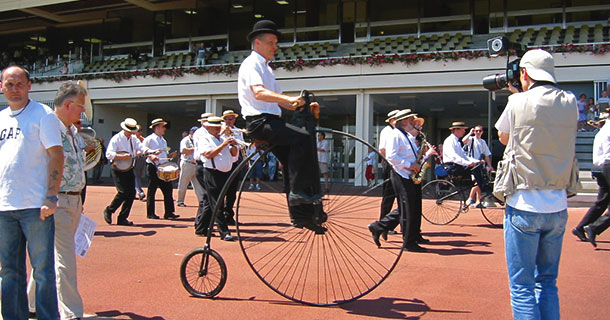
92 157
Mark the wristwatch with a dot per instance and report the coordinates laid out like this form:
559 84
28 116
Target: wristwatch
52 198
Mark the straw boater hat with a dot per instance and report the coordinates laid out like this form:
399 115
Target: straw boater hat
229 113
130 125
157 122
204 116
263 26
404 114
391 115
420 120
457 125
213 121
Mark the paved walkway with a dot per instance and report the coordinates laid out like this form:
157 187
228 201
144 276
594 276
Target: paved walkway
133 273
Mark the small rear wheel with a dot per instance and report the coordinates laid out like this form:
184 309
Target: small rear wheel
442 202
494 213
203 273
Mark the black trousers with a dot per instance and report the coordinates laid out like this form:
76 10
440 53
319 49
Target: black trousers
593 217
294 148
231 193
388 196
477 171
126 191
409 197
213 181
166 188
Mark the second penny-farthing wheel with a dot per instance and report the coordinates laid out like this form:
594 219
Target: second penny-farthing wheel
338 266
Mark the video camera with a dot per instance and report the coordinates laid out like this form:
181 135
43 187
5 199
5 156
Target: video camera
496 47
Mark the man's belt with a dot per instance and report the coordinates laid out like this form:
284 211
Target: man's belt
70 193
262 115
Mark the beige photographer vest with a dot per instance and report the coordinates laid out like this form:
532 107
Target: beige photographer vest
541 149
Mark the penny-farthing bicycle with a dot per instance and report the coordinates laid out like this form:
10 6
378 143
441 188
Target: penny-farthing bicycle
338 266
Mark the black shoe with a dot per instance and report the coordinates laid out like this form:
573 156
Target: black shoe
153 216
590 235
181 204
414 247
171 216
376 233
384 235
316 228
107 216
32 315
124 223
422 240
580 234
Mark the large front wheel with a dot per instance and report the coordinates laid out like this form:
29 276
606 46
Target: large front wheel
338 266
442 202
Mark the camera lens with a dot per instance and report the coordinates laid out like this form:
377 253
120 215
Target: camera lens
496 45
495 82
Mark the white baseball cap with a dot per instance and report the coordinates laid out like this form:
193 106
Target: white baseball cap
539 64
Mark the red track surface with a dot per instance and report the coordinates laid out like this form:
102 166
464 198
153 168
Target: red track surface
133 273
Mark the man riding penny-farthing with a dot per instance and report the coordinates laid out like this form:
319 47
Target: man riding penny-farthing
324 256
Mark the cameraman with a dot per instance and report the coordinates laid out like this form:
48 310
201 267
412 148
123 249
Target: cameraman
539 128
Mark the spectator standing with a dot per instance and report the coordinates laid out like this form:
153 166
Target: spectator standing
31 167
538 127
591 109
256 171
371 166
69 104
188 169
323 147
201 54
271 166
582 111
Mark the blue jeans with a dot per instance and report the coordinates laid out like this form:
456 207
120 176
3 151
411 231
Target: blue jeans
17 229
533 247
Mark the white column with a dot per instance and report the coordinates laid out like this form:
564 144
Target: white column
364 120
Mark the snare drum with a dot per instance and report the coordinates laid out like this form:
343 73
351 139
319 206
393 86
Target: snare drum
168 171
125 164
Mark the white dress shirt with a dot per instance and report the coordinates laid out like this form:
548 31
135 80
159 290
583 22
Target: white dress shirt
223 161
384 136
255 70
401 152
185 143
198 137
601 146
477 148
156 142
453 152
120 142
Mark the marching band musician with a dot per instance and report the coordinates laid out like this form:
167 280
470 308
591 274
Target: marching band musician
198 140
388 197
188 169
459 163
593 223
123 146
217 154
230 130
156 141
401 152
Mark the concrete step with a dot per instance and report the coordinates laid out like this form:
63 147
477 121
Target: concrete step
582 200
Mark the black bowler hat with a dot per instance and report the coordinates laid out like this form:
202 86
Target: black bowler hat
263 26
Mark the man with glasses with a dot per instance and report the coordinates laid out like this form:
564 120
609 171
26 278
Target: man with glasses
461 164
262 101
31 168
69 104
477 148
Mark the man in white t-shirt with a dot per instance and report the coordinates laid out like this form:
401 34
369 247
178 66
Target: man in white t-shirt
31 167
539 128
323 147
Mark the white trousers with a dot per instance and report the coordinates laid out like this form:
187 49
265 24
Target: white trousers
67 217
187 175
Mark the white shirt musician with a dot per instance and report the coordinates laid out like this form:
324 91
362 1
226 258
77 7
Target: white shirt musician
121 143
156 142
187 143
401 152
601 146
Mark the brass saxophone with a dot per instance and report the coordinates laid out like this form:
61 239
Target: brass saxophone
417 177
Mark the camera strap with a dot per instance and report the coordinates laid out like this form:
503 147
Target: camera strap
542 83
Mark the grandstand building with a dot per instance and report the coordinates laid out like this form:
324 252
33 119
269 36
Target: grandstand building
361 58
